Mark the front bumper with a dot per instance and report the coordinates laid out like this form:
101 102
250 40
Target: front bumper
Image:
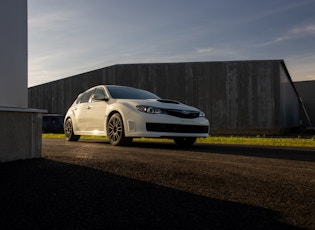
160 125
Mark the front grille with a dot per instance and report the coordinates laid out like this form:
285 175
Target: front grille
182 113
173 128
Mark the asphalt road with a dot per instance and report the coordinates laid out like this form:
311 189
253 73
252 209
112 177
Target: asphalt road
93 185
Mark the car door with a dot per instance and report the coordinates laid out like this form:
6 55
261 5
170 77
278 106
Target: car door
95 115
80 110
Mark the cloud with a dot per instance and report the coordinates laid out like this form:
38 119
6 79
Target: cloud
204 50
291 34
304 30
220 53
51 20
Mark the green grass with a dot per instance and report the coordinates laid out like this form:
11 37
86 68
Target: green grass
264 141
267 141
53 135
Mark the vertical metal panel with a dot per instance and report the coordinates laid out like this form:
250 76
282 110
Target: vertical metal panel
289 102
306 90
265 95
219 108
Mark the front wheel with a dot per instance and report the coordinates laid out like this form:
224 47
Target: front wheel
185 141
68 128
115 131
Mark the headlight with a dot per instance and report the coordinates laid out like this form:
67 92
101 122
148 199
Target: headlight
202 114
149 109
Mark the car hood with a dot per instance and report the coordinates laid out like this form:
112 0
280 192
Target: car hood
159 103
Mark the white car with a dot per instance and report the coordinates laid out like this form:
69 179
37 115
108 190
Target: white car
122 113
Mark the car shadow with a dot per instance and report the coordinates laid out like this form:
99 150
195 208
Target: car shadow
46 194
261 151
284 153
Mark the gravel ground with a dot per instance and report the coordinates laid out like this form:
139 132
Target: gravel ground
93 185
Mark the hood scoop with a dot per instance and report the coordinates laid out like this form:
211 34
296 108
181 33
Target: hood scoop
168 101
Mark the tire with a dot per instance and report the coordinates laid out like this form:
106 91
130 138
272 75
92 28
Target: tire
185 141
68 128
116 132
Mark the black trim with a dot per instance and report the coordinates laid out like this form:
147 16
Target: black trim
182 113
173 128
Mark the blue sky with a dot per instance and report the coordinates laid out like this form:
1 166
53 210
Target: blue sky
69 37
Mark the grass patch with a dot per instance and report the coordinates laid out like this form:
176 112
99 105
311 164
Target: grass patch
53 135
62 136
264 141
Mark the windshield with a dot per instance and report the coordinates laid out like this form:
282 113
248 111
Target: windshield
123 92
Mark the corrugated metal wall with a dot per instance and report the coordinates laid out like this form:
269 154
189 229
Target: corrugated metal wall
238 97
306 90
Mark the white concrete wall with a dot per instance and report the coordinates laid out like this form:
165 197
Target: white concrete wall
20 127
13 53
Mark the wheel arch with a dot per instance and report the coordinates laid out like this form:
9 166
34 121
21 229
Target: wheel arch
74 125
111 114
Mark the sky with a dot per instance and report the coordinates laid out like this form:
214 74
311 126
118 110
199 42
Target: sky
70 37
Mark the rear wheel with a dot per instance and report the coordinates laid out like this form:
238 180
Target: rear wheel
68 128
116 132
185 141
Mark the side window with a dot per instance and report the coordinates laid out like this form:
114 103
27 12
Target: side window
79 98
86 96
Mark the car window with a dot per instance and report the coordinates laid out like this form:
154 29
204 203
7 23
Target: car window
121 92
79 98
86 96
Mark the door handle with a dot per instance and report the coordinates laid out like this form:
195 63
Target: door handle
88 107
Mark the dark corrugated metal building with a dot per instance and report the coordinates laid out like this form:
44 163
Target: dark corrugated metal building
238 97
306 90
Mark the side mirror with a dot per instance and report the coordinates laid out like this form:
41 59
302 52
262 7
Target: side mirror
98 97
